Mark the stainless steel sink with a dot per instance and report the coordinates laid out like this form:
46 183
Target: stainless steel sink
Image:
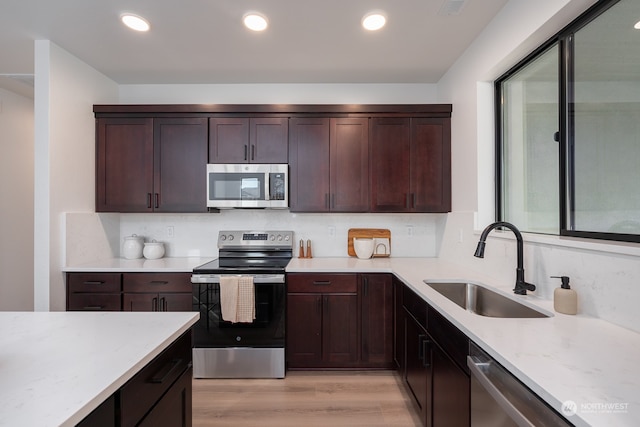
483 301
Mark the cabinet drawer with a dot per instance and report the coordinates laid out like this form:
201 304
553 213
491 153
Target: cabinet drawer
322 283
156 282
147 386
453 341
94 282
94 301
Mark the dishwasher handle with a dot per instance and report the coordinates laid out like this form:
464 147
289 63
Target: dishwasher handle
500 399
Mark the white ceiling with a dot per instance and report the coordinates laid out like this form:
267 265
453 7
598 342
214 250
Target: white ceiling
203 41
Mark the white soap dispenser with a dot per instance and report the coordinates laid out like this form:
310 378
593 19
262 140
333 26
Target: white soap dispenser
565 299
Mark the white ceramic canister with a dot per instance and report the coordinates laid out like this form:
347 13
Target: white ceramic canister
132 247
153 250
363 247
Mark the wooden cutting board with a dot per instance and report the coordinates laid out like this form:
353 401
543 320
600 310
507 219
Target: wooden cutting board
357 233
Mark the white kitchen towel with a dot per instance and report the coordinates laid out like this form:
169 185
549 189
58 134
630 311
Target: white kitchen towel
229 298
246 311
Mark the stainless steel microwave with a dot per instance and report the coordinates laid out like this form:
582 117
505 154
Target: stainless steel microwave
248 186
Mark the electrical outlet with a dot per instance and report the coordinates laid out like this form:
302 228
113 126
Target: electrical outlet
170 231
332 231
409 230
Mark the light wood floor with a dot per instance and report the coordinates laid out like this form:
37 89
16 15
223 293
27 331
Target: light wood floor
305 399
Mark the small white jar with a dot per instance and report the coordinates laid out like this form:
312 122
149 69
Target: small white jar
133 247
363 247
153 250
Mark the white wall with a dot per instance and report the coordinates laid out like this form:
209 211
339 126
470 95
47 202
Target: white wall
279 94
605 274
16 194
65 91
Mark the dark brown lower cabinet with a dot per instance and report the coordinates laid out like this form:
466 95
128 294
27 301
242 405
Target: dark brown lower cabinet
450 403
322 331
376 291
94 292
157 302
157 292
174 408
159 395
399 337
435 364
339 321
416 372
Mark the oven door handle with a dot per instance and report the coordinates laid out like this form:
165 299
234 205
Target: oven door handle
258 278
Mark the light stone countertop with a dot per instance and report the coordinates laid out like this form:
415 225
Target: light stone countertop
582 359
586 360
123 265
56 367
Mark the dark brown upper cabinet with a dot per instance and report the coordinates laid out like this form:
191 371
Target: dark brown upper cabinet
411 164
124 169
248 140
329 161
151 165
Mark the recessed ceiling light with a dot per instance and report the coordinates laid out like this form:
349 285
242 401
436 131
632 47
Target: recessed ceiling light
135 22
255 21
637 26
374 21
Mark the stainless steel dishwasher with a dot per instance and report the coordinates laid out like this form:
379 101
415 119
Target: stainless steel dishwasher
498 399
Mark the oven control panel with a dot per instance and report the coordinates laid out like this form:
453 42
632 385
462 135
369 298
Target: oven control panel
255 238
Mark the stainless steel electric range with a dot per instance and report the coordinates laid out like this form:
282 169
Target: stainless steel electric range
223 349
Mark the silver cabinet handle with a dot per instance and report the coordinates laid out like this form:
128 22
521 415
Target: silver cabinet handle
500 398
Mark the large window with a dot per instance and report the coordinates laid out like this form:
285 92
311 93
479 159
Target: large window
569 121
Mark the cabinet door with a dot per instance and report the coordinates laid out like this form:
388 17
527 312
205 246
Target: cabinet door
140 302
304 330
349 165
175 302
180 164
451 391
124 167
174 408
398 327
416 373
309 165
269 140
340 329
430 165
377 320
390 174
228 140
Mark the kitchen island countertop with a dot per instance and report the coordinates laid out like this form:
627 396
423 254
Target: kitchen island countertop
56 367
562 358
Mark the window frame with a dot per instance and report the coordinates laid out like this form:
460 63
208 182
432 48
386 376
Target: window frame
564 40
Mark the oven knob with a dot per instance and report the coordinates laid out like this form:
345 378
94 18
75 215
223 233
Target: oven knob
223 237
286 238
279 237
272 237
230 236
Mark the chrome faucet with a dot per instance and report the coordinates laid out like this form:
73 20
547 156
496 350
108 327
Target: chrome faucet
521 287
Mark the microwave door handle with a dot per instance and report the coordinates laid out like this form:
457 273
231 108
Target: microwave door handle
267 186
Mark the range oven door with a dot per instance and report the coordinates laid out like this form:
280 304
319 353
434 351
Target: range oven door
266 331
